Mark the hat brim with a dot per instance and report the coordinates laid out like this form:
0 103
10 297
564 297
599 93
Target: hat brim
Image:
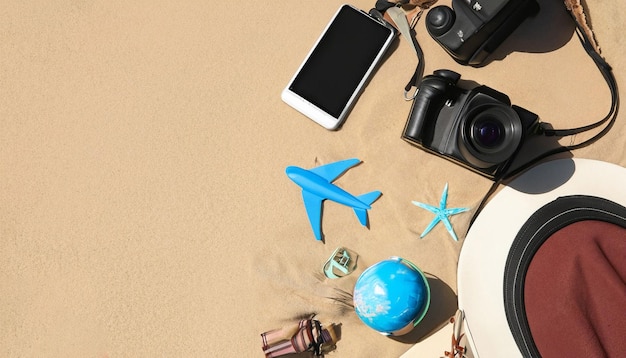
484 253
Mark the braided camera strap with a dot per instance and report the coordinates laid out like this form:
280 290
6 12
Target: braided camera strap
578 12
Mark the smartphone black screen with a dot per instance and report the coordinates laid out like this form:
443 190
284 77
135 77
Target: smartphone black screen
340 60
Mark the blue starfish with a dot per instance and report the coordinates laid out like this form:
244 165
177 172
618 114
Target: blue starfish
441 214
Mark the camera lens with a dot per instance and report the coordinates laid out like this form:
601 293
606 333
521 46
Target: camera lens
488 133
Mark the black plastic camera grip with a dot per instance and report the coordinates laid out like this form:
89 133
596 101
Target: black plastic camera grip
430 93
417 116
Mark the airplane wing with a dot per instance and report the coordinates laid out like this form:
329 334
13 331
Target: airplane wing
313 205
331 171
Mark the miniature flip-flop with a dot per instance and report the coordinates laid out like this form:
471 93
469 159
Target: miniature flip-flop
341 263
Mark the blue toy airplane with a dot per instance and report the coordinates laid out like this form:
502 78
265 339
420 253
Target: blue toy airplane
317 186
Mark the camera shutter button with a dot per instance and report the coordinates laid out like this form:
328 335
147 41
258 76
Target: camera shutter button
439 20
451 76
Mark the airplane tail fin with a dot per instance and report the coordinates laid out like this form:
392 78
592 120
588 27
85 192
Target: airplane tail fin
368 199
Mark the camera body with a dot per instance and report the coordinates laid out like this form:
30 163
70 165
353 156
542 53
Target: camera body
472 29
475 126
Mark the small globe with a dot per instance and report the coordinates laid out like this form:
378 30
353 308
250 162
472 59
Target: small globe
392 296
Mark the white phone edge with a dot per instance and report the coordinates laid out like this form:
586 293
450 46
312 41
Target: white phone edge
317 114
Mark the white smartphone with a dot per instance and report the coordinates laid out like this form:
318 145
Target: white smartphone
333 74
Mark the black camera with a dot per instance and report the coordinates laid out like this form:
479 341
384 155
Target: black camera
476 127
472 29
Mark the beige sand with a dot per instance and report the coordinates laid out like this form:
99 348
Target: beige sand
145 210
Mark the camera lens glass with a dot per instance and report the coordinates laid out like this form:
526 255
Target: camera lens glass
488 132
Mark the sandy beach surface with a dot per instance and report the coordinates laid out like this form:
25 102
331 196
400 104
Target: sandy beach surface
145 210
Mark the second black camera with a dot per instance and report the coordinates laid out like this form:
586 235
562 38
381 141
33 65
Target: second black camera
475 126
472 29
